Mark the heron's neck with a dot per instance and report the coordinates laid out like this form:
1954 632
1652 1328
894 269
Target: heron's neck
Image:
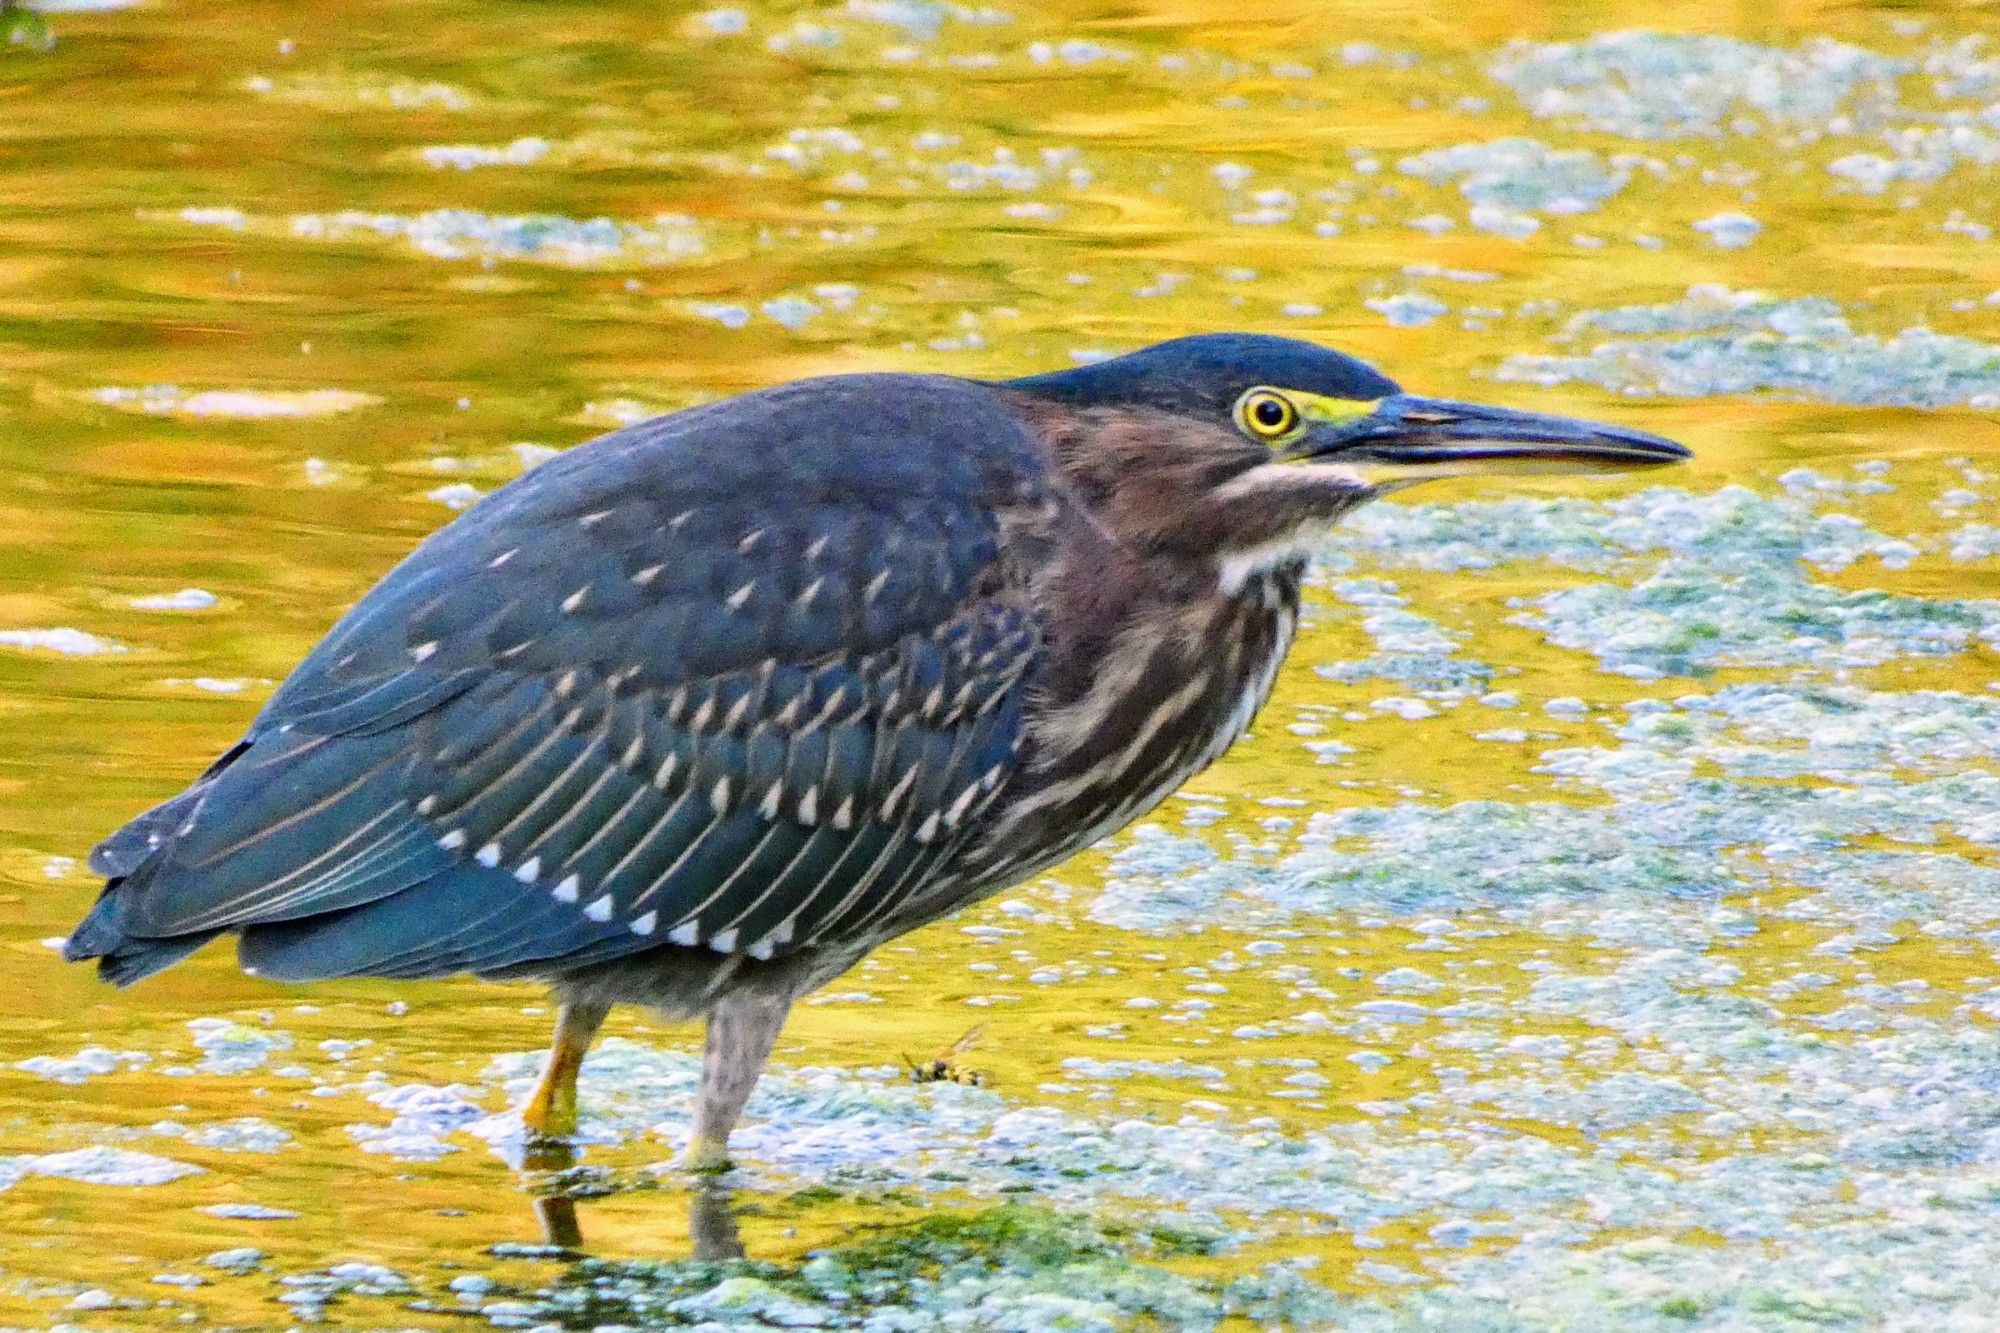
1275 514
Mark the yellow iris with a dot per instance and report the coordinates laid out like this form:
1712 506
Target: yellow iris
1278 416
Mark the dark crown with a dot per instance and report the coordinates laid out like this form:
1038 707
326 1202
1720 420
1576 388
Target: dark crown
1208 372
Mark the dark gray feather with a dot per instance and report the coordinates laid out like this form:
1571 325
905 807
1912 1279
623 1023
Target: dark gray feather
668 689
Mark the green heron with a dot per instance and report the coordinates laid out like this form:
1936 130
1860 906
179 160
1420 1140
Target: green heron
697 714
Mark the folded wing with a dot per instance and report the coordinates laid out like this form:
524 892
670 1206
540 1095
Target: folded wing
599 715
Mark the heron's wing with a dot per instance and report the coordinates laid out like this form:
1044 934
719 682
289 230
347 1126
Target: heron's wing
612 710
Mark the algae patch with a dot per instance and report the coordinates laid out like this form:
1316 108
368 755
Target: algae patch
1009 1267
1717 341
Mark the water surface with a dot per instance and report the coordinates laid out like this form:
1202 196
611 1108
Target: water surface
1599 928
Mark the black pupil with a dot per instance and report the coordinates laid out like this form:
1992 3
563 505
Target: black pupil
1269 413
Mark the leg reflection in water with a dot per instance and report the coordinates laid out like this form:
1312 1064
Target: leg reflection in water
712 1219
712 1232
556 1211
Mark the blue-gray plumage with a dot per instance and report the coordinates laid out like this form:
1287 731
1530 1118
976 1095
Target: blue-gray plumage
697 714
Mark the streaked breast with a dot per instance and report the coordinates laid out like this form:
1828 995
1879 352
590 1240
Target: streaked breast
1177 691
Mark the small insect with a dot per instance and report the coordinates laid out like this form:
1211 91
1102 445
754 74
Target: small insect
940 1069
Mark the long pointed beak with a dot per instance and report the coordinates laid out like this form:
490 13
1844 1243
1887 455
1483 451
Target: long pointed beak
1407 439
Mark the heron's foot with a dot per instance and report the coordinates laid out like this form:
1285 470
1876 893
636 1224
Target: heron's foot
706 1155
552 1112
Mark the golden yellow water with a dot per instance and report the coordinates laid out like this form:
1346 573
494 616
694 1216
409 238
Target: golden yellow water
280 111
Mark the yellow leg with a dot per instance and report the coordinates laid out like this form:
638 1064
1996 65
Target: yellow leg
551 1111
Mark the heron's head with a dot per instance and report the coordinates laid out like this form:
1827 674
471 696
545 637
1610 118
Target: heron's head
1239 445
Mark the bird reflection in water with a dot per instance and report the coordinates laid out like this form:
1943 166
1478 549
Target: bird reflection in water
558 1185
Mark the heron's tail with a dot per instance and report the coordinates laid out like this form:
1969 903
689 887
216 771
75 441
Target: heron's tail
123 959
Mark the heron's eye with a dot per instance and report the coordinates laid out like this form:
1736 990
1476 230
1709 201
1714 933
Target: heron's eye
1266 414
